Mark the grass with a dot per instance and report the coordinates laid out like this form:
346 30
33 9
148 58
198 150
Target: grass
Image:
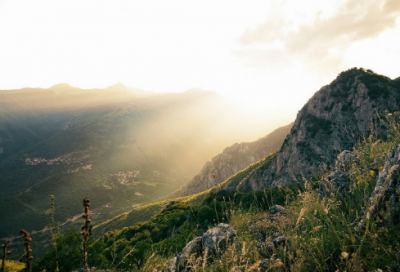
320 233
146 212
12 266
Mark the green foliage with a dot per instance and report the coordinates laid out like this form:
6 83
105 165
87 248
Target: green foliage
377 85
68 251
320 232
345 78
165 234
315 124
12 266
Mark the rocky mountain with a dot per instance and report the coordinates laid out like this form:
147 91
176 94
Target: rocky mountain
233 159
262 230
334 119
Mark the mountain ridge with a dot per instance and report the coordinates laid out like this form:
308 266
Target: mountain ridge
234 159
333 119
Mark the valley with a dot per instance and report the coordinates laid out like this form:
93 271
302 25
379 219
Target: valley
122 146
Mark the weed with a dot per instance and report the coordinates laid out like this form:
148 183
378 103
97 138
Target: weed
27 257
86 232
5 253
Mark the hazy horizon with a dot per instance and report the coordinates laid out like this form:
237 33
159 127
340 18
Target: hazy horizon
269 56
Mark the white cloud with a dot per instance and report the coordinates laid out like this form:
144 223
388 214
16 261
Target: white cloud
319 40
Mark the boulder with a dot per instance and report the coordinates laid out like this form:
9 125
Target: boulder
271 242
337 181
344 160
212 241
275 212
218 237
276 209
178 263
385 196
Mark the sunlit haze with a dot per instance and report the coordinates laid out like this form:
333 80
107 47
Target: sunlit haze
270 55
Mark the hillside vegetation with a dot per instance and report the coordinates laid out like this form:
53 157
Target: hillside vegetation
122 146
322 230
233 159
327 200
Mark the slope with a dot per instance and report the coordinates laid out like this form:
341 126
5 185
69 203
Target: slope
121 149
233 159
334 119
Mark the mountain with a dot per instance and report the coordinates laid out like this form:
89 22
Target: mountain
121 147
334 119
345 217
233 159
337 117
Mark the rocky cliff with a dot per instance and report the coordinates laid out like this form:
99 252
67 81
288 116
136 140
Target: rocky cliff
233 159
334 119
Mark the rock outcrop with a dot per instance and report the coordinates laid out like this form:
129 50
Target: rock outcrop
385 196
338 180
203 247
334 119
233 159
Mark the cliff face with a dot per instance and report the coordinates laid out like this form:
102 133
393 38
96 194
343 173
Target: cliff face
332 120
233 159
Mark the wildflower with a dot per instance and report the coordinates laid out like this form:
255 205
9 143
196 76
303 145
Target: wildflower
345 255
372 173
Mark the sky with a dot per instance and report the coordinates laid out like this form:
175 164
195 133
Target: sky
272 56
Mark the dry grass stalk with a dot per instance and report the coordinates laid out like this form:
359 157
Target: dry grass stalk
5 253
86 232
27 257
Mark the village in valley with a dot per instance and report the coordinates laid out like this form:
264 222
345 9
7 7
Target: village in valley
124 177
67 159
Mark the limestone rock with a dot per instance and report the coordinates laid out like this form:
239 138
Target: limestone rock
344 160
276 209
218 237
275 212
334 119
212 241
337 181
386 191
271 242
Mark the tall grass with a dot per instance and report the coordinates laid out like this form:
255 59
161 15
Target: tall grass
320 233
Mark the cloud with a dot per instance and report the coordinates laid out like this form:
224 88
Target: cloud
318 43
